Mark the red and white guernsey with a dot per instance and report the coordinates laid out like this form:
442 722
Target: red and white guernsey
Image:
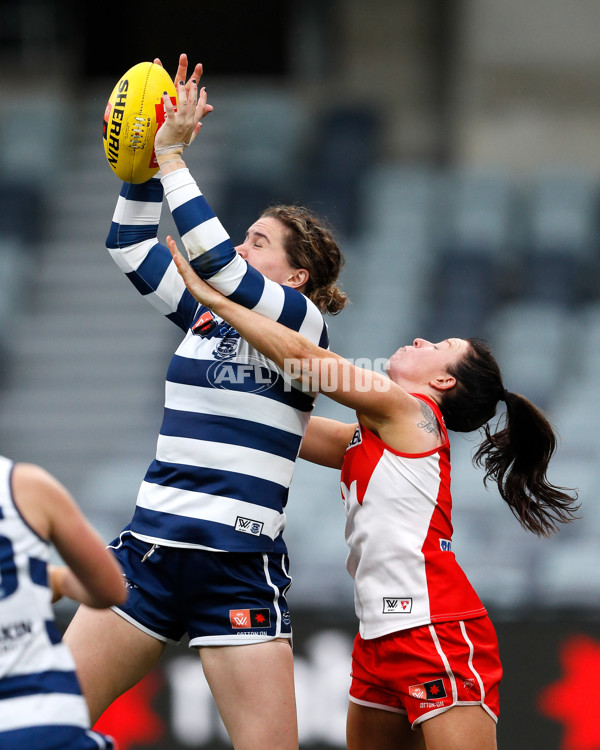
399 534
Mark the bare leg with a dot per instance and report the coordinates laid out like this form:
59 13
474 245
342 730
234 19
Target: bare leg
461 728
253 687
374 729
111 655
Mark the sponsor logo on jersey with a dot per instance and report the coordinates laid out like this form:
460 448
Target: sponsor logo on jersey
248 526
250 618
12 631
446 545
205 324
228 345
397 605
433 690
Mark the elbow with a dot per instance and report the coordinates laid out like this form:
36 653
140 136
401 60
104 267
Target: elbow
112 237
113 588
118 588
111 596
312 364
119 595
303 353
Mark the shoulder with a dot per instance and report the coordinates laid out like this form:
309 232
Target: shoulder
39 496
31 477
412 427
428 422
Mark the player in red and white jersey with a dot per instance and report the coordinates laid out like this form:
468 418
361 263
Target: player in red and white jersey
387 489
425 665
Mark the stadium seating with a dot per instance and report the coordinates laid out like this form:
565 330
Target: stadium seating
430 252
561 240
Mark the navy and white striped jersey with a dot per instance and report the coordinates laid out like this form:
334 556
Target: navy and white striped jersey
41 706
232 423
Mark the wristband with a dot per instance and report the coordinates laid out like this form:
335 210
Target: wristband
162 160
178 147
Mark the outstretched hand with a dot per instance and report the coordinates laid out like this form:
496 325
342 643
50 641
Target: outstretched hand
181 125
199 289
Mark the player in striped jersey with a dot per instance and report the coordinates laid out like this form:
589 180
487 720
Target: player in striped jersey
425 665
204 553
41 706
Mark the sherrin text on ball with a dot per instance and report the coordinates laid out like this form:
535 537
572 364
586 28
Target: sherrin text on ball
133 114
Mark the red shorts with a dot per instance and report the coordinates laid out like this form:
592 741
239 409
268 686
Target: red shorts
424 671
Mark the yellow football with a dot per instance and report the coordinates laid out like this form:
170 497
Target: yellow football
133 114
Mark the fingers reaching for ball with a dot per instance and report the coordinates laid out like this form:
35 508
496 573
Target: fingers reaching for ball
182 67
183 123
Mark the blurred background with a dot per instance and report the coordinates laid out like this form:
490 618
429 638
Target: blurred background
453 146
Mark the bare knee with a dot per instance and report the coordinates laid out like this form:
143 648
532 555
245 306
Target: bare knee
461 728
253 687
370 728
111 655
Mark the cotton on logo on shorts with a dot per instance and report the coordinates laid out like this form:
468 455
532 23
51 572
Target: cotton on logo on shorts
397 605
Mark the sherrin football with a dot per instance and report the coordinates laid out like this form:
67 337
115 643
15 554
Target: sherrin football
133 114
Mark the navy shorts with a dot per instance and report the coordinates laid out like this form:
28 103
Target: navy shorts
217 598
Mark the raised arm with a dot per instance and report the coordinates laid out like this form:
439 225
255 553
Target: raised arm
370 393
133 241
207 243
93 576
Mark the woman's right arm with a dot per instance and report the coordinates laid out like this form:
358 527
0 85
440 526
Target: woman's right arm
93 575
371 394
207 243
133 244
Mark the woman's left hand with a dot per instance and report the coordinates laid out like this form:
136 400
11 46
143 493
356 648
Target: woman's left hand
181 125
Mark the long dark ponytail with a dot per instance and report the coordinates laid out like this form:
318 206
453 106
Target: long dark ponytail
517 454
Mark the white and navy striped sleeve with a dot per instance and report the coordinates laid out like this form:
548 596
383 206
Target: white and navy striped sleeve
133 244
214 258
